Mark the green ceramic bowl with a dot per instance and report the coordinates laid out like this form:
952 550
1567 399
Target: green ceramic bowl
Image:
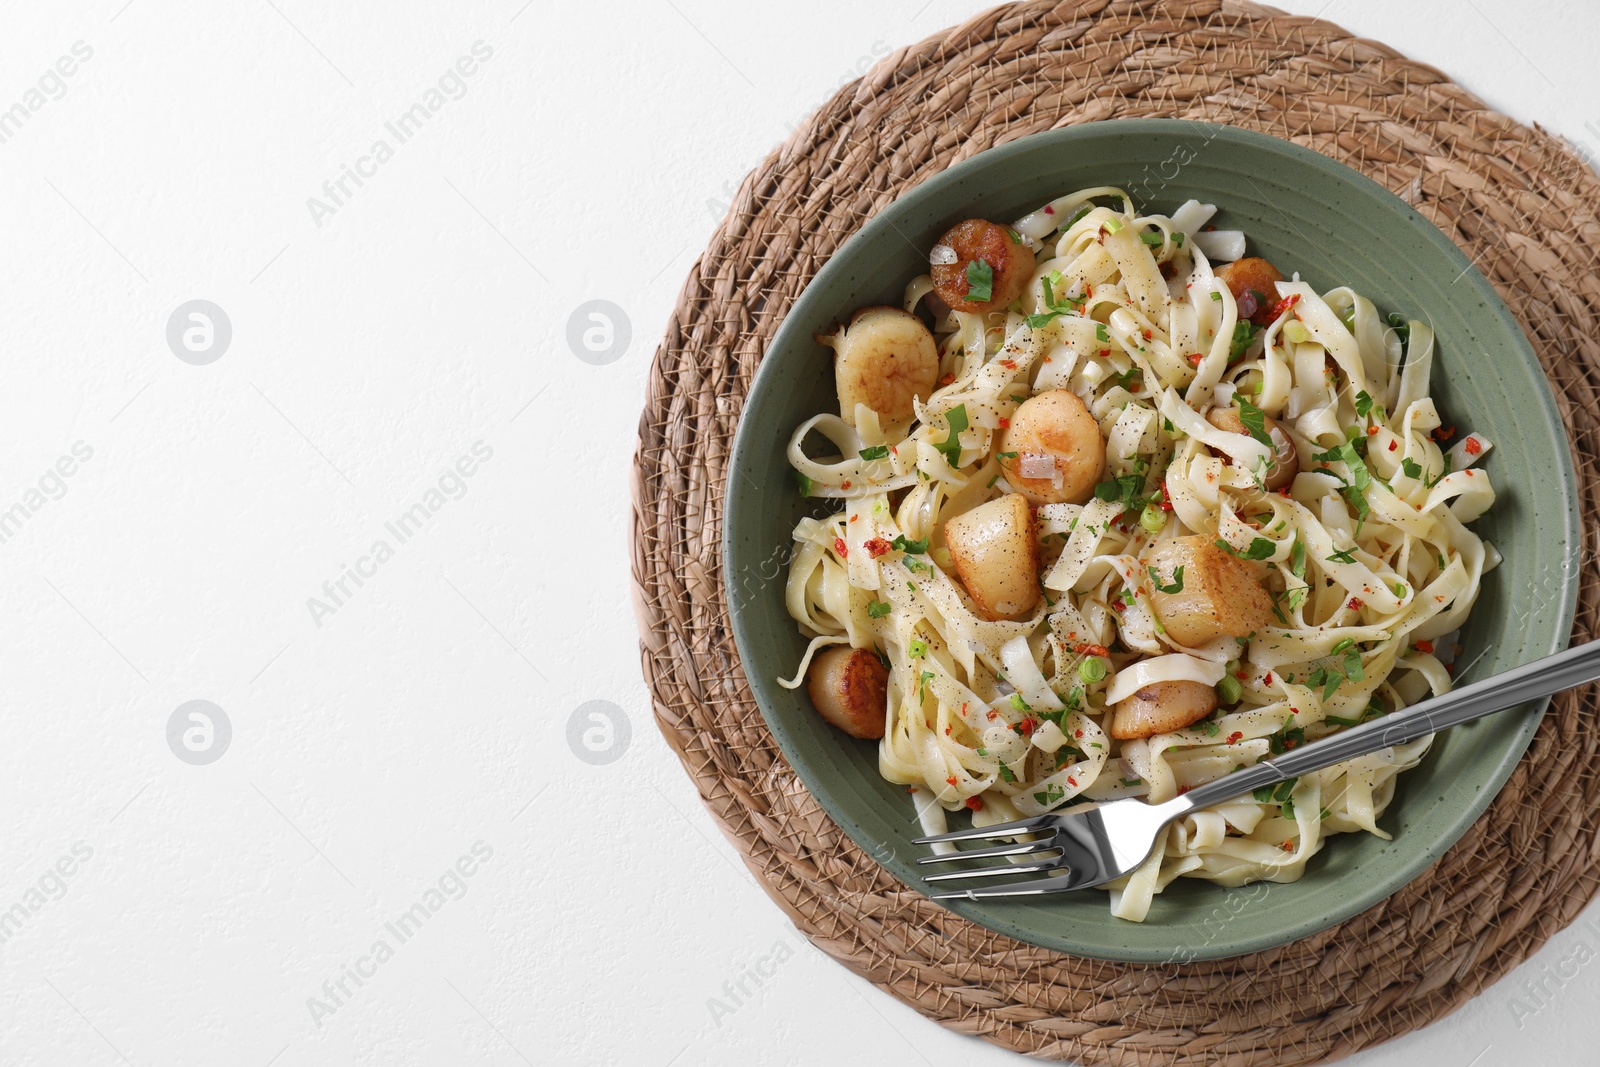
1306 213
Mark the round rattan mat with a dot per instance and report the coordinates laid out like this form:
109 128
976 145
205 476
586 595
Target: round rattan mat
1517 200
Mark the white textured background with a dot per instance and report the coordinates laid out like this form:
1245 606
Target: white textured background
374 746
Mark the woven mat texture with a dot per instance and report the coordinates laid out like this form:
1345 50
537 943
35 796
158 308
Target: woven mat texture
1520 203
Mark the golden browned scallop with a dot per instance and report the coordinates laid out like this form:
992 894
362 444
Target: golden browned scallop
884 359
1160 708
1059 453
850 689
996 556
1010 263
1256 276
1222 595
1286 461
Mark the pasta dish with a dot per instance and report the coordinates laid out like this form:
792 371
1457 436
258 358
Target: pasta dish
1115 519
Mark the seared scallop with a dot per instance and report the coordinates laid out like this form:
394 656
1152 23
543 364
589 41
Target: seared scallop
850 688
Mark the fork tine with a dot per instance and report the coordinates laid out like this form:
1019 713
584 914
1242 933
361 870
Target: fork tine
994 871
1059 884
1003 829
1022 849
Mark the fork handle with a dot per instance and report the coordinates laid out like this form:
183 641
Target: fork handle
1520 685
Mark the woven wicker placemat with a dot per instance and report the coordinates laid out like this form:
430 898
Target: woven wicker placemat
1517 200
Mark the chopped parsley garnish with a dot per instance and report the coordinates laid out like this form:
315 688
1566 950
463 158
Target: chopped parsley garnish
905 544
1269 794
1101 333
956 417
805 484
1018 704
1284 740
1244 333
925 678
877 609
1154 238
883 658
1297 558
1177 581
918 648
1260 548
1005 772
1050 794
1345 556
980 281
1355 494
1047 286
875 452
1255 421
1363 404
1216 296
1411 467
1078 215
1125 489
1127 377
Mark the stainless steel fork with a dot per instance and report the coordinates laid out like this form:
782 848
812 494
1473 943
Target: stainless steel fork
1095 844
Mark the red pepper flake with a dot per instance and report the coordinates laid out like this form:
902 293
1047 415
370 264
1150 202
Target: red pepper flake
1471 446
947 731
1045 359
947 379
1266 679
1294 711
1118 605
846 485
1091 650
1073 782
1449 668
951 779
1195 358
1287 846
1182 789
1235 737
1444 433
1372 431
993 715
1005 424
1286 304
975 803
1009 364
963 710
1284 492
853 518
1241 675
1048 210
1354 603
1027 726
1088 290
1424 646
1393 445
911 789
840 547
877 547
1105 352
1077 733
1148 335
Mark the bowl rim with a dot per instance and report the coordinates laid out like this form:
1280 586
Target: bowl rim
882 223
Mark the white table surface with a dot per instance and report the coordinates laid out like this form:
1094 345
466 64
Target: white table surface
211 910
